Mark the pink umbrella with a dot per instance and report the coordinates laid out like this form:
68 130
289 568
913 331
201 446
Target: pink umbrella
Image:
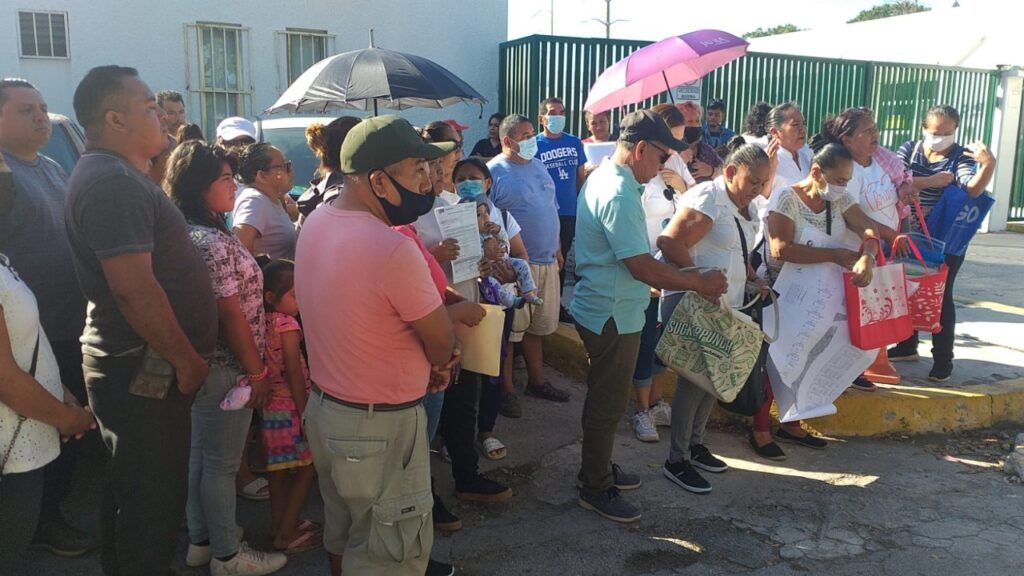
658 67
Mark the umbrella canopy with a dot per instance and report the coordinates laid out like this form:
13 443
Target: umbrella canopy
364 79
658 67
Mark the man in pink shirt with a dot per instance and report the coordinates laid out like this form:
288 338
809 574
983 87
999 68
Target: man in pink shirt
378 336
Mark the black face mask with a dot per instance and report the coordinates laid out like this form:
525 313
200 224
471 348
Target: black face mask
691 134
413 205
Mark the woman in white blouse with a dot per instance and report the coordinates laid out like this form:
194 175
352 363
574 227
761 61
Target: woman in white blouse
713 225
36 411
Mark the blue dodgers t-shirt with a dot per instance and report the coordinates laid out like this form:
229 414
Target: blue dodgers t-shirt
562 156
528 193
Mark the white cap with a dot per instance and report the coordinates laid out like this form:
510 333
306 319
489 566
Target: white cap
235 127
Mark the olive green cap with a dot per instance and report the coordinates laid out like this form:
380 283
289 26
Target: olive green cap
384 140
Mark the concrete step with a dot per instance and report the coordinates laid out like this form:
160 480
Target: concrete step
964 403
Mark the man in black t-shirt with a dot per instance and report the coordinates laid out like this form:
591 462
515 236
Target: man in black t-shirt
152 319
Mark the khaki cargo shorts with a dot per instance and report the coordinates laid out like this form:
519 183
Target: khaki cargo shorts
540 320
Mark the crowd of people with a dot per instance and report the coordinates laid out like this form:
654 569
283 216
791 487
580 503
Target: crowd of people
172 294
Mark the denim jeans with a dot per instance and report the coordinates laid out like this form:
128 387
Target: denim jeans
645 360
20 496
218 440
691 405
145 484
432 403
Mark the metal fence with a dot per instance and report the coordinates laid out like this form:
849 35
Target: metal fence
536 67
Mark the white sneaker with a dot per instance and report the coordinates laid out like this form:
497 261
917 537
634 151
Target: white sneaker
644 427
201 555
661 414
249 562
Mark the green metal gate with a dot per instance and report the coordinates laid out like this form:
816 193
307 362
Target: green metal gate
536 67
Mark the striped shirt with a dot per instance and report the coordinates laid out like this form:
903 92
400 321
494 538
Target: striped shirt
920 166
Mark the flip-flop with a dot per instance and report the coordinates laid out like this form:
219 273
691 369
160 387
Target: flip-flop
304 542
492 448
258 490
306 525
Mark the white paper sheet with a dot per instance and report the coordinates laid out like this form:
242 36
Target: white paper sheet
596 152
459 222
813 361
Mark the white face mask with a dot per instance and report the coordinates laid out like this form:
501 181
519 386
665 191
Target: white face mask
831 192
937 143
528 148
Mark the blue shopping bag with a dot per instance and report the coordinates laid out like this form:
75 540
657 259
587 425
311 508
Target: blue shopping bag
956 218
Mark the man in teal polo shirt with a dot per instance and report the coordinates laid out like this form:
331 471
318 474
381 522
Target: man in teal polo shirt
616 269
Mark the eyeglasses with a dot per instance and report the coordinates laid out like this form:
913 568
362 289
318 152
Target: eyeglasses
287 165
665 154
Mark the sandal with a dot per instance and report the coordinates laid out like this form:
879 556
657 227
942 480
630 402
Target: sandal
546 391
492 448
258 490
306 525
304 542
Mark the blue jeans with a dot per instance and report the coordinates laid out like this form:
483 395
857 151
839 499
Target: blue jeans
432 403
218 442
645 361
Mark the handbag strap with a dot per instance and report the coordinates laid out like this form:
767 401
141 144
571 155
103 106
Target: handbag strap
828 217
21 419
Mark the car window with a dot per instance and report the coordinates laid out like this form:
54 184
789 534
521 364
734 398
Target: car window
61 149
292 142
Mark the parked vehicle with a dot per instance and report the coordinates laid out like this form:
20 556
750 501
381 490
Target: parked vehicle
288 134
66 144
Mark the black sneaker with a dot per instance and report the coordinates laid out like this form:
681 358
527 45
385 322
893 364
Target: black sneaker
863 384
482 489
565 317
435 568
620 479
701 457
686 476
444 520
808 440
62 539
942 371
609 504
771 450
901 353
509 407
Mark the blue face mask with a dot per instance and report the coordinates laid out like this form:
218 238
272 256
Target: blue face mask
556 124
470 189
528 148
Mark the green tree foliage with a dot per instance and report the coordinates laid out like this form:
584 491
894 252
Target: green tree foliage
780 29
896 8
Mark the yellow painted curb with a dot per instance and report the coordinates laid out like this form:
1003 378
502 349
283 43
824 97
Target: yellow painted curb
904 409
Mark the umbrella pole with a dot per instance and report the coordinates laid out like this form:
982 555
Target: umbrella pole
374 106
671 98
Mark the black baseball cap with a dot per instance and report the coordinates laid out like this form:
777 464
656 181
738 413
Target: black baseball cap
646 125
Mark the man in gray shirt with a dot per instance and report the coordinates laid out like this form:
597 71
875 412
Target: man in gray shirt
33 237
152 319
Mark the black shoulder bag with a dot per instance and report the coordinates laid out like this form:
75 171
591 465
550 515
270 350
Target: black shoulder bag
753 394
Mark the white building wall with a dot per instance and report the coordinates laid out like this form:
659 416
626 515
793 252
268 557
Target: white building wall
461 35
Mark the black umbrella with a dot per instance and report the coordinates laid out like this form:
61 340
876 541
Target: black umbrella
364 79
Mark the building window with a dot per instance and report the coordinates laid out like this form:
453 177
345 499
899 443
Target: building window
43 34
304 48
223 87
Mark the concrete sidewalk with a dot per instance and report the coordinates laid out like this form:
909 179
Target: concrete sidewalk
860 507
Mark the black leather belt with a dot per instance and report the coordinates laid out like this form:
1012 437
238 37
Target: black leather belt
366 407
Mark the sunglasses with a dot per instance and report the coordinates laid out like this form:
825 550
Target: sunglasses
287 165
665 154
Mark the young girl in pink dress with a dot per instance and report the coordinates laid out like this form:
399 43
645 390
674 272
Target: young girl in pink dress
289 461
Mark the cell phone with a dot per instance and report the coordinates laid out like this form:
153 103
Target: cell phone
154 377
